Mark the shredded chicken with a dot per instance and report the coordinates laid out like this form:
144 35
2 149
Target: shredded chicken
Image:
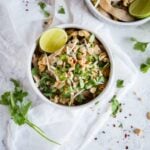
118 13
114 9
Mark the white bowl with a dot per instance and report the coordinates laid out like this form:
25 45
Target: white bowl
100 16
105 93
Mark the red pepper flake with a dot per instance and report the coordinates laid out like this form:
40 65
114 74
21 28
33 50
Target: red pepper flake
125 135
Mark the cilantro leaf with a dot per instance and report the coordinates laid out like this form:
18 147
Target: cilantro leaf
120 83
96 103
148 61
5 98
115 105
35 71
140 46
42 5
19 107
120 125
145 66
61 10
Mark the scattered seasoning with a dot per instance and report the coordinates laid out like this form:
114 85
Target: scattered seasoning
126 147
131 127
120 83
130 114
138 131
103 132
125 135
140 99
26 3
61 10
125 117
95 138
134 93
114 125
148 115
123 103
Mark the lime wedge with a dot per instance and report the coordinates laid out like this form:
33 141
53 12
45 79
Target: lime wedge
53 40
140 8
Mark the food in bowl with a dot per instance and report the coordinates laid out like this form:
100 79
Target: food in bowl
123 10
75 74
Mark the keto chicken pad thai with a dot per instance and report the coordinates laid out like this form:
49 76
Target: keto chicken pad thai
76 73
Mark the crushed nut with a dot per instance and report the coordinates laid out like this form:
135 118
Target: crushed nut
148 115
138 131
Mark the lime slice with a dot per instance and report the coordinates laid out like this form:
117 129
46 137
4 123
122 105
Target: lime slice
140 8
53 40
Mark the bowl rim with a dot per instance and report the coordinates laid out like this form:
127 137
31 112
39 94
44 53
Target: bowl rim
100 96
100 16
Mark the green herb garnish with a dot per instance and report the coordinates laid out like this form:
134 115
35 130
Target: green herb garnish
61 10
120 125
140 46
120 83
19 107
43 6
145 66
115 105
92 38
35 71
96 102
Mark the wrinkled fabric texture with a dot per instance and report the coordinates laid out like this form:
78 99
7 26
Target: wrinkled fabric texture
73 129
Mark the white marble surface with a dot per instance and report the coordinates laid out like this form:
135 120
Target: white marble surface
113 139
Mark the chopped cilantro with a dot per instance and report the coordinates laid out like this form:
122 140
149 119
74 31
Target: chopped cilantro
140 46
35 71
115 105
145 66
61 10
96 102
120 83
120 125
42 5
